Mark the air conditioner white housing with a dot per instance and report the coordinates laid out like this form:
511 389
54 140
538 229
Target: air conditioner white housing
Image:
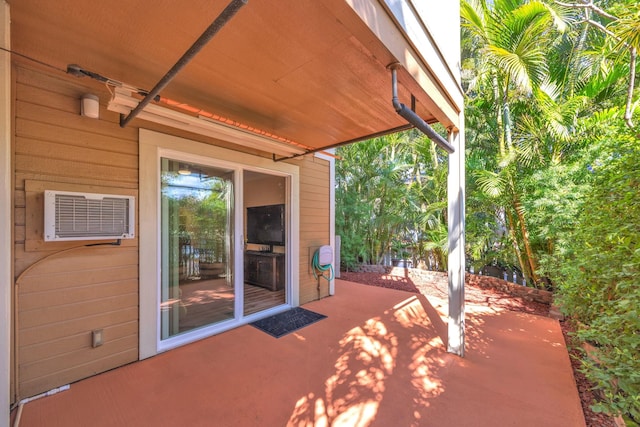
87 216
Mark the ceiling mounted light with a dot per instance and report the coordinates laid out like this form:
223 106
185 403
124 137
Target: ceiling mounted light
184 170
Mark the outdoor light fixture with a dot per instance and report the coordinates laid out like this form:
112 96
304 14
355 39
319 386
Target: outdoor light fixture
90 106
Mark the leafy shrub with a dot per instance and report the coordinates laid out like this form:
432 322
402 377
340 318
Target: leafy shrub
598 283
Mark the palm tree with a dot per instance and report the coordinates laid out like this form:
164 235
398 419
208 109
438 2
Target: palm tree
624 29
391 198
511 40
370 195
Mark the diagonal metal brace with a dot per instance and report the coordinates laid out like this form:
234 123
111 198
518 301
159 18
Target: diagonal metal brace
232 8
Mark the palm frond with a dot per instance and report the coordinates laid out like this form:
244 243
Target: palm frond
491 183
471 14
627 28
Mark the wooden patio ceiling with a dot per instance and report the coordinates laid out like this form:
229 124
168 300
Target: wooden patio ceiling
310 71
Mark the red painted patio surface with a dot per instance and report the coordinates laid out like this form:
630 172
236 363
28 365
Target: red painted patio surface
378 359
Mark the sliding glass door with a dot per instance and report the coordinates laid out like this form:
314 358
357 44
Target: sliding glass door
201 271
197 228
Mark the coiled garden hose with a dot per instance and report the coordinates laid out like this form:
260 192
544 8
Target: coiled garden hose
315 263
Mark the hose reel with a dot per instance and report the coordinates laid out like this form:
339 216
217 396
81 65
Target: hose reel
322 266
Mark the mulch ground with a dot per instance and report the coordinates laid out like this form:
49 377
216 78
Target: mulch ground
497 299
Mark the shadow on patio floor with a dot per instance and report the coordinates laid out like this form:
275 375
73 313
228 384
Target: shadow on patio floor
378 359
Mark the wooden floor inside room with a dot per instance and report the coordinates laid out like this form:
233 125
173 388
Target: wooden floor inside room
258 299
204 302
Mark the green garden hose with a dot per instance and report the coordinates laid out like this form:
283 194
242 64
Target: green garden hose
315 263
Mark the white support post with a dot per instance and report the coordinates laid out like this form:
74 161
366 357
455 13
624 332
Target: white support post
332 221
337 257
456 224
6 243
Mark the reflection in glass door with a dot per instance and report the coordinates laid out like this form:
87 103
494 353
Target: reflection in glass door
197 287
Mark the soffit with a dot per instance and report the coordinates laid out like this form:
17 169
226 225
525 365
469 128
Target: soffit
307 70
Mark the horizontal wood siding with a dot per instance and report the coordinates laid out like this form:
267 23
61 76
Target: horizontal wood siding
64 290
314 223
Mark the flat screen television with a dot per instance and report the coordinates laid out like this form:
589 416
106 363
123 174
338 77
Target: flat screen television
265 225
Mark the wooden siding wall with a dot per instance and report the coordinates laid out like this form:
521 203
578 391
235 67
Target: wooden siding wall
63 290
62 294
314 223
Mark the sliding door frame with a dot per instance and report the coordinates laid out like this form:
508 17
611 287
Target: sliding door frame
153 146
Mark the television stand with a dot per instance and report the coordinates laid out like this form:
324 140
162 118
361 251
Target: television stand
265 269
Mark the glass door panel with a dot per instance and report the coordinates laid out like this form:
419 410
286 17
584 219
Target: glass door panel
197 287
265 255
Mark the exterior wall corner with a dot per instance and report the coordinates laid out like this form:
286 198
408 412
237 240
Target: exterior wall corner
6 215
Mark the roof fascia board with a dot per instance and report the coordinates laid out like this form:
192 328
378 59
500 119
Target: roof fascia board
414 73
427 43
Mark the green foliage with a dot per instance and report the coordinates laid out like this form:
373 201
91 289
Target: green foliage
514 115
391 199
200 213
552 171
552 175
598 273
627 27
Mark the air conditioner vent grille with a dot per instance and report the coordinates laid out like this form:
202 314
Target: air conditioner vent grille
78 216
84 216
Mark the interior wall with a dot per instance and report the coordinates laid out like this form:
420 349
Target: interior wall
314 216
263 189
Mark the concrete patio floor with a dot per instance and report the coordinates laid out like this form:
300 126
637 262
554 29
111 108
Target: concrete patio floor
378 359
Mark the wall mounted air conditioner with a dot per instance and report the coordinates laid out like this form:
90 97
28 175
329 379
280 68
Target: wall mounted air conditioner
88 216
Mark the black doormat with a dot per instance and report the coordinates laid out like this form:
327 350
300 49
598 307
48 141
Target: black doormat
281 324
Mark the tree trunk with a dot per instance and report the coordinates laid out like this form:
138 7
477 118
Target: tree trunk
499 116
507 125
434 156
628 113
514 241
525 239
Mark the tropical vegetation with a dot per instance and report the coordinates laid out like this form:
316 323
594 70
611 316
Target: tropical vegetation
391 201
553 177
